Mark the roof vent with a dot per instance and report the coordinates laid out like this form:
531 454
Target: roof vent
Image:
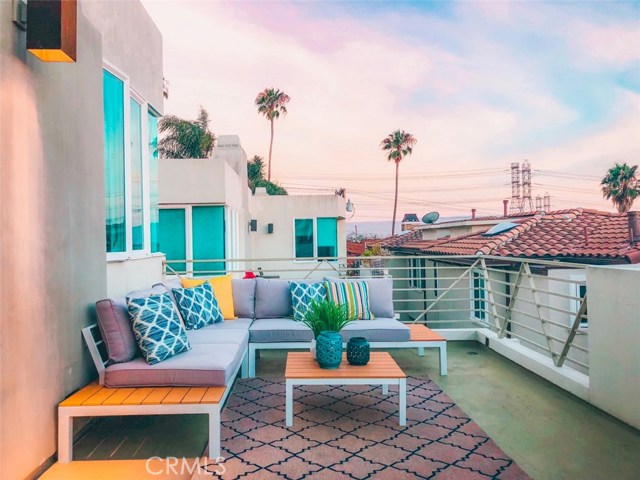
499 228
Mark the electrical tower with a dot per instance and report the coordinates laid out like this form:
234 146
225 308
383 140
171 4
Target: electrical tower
547 202
527 201
516 201
538 203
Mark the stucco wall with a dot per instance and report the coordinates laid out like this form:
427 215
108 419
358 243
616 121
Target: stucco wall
52 243
614 337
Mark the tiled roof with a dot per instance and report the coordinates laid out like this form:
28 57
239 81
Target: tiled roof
398 240
576 233
355 248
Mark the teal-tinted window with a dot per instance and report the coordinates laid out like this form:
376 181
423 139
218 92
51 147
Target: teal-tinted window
114 168
137 212
154 199
207 233
479 296
172 236
304 238
327 237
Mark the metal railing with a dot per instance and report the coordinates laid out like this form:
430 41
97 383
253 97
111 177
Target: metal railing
540 304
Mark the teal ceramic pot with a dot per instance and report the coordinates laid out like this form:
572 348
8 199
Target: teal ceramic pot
358 352
329 349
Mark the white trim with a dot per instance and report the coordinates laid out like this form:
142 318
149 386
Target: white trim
483 298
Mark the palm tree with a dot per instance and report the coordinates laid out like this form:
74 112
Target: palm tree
621 186
186 138
399 144
255 176
271 103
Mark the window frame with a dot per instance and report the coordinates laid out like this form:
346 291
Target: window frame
483 299
130 93
578 281
315 241
418 273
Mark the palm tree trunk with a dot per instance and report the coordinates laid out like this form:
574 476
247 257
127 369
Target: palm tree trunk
270 148
395 202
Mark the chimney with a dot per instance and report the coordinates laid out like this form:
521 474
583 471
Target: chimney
634 227
505 208
473 214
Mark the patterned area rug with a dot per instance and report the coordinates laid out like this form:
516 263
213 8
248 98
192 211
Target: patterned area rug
352 432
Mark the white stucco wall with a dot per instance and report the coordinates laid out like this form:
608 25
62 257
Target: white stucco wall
614 341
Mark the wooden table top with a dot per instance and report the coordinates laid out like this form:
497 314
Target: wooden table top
381 365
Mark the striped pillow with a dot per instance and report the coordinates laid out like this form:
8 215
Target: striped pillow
354 294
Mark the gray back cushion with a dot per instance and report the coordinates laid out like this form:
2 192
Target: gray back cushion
273 298
380 295
244 297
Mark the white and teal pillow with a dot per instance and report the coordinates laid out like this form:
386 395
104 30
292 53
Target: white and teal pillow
302 294
198 306
355 295
157 327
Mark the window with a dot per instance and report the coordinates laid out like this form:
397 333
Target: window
171 235
327 237
131 171
154 199
304 238
417 273
578 289
479 296
114 163
316 238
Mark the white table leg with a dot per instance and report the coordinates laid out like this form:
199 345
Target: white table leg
289 403
402 401
385 389
65 436
443 359
214 433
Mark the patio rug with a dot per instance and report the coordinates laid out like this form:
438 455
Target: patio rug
352 432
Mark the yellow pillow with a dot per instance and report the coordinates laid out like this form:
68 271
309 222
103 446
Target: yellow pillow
222 288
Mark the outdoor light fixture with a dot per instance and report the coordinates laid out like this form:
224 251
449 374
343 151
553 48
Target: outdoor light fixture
253 225
351 208
269 227
52 29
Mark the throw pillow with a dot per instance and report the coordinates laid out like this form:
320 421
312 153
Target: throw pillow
223 289
354 294
302 294
198 306
157 327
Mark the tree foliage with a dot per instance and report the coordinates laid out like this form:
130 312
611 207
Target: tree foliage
255 174
271 102
621 186
186 138
399 144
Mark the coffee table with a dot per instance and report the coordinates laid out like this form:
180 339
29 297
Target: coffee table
302 369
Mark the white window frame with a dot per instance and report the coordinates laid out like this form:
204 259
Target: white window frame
130 93
315 241
418 273
483 298
574 304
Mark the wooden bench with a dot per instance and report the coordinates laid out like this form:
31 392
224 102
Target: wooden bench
95 400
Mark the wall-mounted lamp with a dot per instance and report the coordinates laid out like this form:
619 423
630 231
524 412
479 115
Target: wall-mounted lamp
351 208
269 227
52 29
253 225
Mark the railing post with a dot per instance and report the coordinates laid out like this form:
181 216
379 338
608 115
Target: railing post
536 301
512 302
492 302
572 333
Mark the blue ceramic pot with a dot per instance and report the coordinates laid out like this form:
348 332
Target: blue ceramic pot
358 351
329 349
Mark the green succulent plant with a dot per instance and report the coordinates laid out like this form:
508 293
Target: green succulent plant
324 315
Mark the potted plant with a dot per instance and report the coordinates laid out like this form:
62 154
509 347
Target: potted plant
326 319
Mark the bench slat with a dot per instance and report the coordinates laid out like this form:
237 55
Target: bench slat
138 396
156 396
100 396
194 395
81 395
420 333
213 395
119 396
175 396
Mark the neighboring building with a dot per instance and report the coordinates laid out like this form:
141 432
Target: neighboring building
207 212
77 218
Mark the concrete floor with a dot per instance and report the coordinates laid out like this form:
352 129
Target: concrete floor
550 433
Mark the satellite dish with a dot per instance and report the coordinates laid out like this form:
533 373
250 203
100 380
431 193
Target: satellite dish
431 217
500 228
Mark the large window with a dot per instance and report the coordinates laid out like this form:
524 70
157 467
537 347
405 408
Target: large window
316 238
417 273
131 171
114 163
479 296
172 236
207 233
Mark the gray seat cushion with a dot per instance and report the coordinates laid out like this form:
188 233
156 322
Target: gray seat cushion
268 330
380 295
378 330
203 365
213 335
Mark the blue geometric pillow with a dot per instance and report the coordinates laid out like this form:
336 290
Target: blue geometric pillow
198 306
157 327
302 294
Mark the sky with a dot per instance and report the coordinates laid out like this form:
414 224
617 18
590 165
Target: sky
479 84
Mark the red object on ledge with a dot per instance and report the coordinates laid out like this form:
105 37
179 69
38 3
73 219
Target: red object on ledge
248 274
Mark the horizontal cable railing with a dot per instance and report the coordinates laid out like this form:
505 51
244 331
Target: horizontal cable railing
540 304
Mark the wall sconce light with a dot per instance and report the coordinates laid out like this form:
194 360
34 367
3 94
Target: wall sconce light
253 225
269 227
350 208
52 29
